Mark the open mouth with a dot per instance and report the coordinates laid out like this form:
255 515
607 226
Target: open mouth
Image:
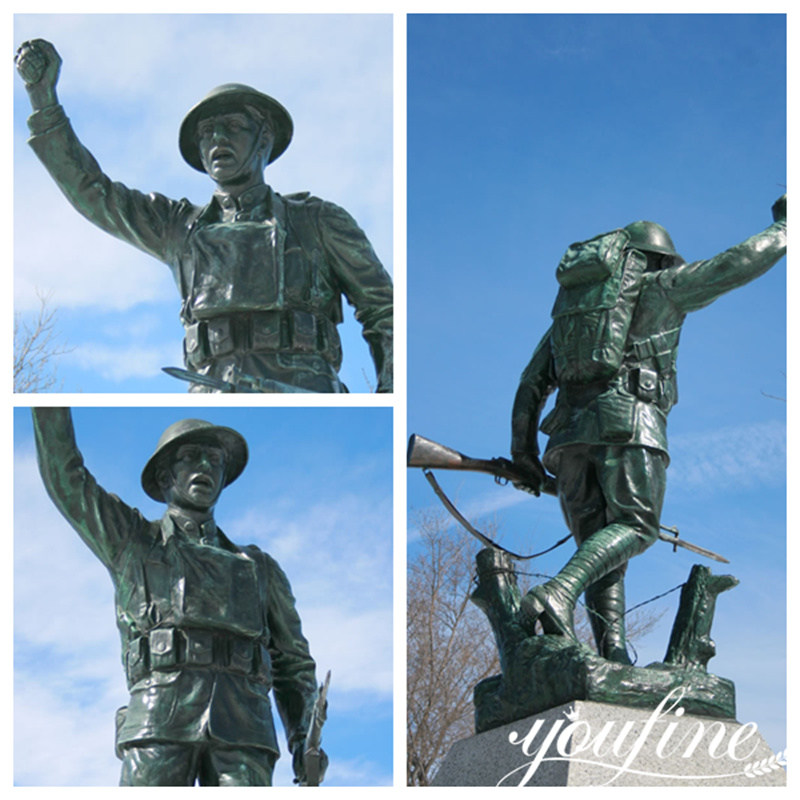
221 154
202 482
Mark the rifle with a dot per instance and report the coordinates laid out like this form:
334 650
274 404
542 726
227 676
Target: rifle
311 751
427 454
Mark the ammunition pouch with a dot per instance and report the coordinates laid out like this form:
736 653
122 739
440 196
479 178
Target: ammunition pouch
292 331
652 387
616 416
178 648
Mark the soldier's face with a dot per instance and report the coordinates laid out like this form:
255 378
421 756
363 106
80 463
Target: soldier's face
196 475
234 147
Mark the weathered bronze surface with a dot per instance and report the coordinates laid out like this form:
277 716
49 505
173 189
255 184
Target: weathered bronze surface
208 628
611 355
261 276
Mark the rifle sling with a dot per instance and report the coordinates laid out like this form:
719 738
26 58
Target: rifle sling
481 537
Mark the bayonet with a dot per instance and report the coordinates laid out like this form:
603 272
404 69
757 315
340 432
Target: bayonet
241 382
312 751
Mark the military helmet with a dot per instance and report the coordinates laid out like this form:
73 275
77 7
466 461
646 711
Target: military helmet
190 430
650 237
234 97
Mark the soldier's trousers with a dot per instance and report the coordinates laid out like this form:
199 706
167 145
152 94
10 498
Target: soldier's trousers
604 485
599 485
208 763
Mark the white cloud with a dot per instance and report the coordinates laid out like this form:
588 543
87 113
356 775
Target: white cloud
59 743
744 455
123 361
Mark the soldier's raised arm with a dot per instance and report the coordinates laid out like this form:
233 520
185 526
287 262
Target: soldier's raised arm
693 286
101 519
147 221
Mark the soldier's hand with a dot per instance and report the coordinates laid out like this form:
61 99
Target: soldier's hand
298 765
779 209
533 470
39 65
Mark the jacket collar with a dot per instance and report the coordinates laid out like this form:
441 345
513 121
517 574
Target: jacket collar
262 201
174 523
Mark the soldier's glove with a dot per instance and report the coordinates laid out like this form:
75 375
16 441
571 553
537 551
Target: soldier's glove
779 209
533 470
298 764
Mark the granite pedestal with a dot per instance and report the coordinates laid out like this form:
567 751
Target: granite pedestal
585 743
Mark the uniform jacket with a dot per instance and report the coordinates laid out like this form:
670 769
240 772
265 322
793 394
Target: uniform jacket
166 583
632 407
295 255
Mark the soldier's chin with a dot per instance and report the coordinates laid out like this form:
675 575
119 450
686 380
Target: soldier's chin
203 497
224 170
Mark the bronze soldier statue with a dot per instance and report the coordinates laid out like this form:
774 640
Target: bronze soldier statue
611 355
208 628
261 275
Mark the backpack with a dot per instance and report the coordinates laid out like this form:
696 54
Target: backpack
599 286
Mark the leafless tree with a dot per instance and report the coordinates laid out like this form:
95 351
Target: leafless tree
36 347
450 647
450 643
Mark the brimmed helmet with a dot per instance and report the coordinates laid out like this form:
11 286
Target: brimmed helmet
191 430
234 97
650 237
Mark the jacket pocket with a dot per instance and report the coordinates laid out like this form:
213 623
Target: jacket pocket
616 414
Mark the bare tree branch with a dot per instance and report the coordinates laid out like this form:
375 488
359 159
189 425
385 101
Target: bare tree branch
36 347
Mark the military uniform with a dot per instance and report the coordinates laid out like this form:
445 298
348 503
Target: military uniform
261 277
208 629
608 440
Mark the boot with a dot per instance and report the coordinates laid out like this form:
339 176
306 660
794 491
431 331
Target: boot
553 603
605 604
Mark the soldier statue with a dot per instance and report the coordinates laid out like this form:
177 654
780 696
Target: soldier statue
208 628
611 355
261 275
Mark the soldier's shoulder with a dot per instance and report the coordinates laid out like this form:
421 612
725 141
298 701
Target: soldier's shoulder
301 199
257 554
317 204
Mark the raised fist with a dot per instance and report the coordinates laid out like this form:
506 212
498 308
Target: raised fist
38 64
779 209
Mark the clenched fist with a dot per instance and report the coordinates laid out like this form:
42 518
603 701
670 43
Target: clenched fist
39 64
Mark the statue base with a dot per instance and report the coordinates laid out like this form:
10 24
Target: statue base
549 671
584 743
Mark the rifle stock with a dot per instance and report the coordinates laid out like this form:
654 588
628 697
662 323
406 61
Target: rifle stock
427 454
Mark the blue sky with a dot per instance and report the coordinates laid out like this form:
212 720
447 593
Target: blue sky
316 494
126 83
529 132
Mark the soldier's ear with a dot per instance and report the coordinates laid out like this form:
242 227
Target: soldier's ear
267 138
266 144
163 478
